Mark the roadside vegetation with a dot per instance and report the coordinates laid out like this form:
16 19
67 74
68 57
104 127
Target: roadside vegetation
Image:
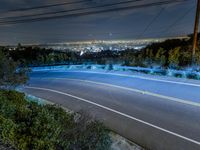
27 125
170 54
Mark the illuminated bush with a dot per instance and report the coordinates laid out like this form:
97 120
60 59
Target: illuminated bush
178 75
192 76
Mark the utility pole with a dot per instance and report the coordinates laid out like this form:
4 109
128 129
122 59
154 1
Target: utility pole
196 29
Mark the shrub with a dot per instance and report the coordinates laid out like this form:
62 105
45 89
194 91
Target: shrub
7 130
110 67
96 137
178 75
8 75
27 125
192 76
145 71
89 67
160 72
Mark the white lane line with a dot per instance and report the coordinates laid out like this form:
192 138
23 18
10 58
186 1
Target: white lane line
140 77
188 102
117 112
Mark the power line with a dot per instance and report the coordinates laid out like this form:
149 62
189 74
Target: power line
152 21
71 10
178 19
79 9
45 6
90 12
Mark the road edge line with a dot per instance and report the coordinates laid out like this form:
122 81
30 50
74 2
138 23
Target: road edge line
188 102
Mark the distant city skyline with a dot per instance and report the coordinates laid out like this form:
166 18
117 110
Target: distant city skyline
99 45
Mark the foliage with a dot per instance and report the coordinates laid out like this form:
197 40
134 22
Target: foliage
7 129
174 56
198 56
110 67
172 53
27 125
161 57
34 56
10 75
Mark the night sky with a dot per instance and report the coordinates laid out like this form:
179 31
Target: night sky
128 24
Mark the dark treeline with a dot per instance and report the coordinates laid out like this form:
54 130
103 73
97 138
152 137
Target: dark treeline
36 56
172 53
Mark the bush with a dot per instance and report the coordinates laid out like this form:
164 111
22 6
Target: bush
178 75
160 72
27 125
89 67
110 67
145 71
96 137
192 76
10 74
7 130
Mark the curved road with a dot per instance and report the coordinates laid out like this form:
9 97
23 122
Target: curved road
155 113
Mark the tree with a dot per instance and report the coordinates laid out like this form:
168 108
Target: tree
198 56
19 46
185 56
149 57
10 74
160 57
174 55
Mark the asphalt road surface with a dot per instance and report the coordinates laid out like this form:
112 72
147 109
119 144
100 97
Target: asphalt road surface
156 113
